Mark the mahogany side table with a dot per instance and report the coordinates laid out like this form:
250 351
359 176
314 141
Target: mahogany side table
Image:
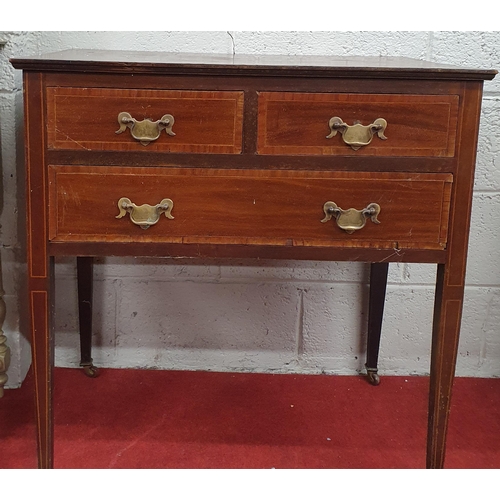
321 158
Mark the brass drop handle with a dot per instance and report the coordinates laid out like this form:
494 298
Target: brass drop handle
351 220
145 215
357 135
145 131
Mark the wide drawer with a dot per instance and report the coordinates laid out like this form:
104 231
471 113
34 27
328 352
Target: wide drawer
293 123
196 121
254 207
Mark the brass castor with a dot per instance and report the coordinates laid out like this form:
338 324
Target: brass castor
373 377
91 371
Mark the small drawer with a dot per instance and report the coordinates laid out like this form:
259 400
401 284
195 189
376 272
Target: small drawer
349 124
250 207
144 120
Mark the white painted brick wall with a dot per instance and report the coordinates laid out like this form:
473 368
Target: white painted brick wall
283 316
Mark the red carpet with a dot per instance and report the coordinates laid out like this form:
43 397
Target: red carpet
166 419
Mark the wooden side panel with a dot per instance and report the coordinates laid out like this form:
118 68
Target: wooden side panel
87 118
36 202
297 123
253 207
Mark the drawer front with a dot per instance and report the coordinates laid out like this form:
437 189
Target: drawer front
299 124
199 121
254 207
